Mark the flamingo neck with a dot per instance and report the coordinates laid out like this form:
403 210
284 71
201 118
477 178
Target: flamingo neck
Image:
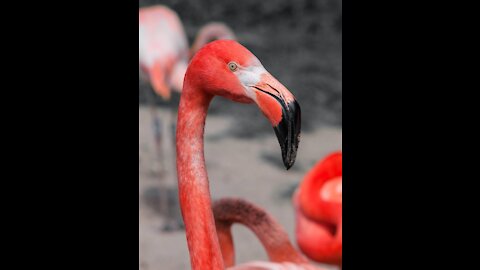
194 194
272 236
177 75
208 33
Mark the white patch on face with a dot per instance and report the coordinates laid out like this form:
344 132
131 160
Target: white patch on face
250 76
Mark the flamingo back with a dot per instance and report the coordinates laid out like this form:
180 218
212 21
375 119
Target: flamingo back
162 39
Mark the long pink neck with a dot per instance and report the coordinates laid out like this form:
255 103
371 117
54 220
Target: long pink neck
194 193
272 236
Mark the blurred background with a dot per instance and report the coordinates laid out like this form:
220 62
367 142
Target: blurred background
300 43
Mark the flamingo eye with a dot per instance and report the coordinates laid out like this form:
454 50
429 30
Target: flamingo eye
232 66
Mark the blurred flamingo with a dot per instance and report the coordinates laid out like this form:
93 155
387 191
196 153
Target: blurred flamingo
318 207
164 55
163 47
225 68
163 60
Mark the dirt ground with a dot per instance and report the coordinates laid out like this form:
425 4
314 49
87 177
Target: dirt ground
250 168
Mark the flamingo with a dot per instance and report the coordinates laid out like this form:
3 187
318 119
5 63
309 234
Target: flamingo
273 237
227 69
163 60
318 207
163 47
164 54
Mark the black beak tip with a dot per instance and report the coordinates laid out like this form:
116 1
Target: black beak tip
288 164
288 132
289 158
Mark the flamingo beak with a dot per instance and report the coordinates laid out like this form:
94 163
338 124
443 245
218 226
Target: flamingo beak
283 112
158 81
288 133
160 87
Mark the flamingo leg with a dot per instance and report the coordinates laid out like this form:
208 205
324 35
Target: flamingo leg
174 220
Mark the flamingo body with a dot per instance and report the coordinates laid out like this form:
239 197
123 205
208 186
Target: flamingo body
163 48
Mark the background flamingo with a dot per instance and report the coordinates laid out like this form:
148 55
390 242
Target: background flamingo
163 60
227 69
164 53
163 47
210 32
318 206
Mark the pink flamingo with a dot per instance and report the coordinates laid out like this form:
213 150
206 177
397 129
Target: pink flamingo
318 207
272 236
163 47
163 58
164 54
225 68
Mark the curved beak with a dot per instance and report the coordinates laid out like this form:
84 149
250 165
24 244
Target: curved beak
288 132
283 112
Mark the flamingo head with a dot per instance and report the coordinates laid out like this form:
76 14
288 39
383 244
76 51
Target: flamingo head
226 68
